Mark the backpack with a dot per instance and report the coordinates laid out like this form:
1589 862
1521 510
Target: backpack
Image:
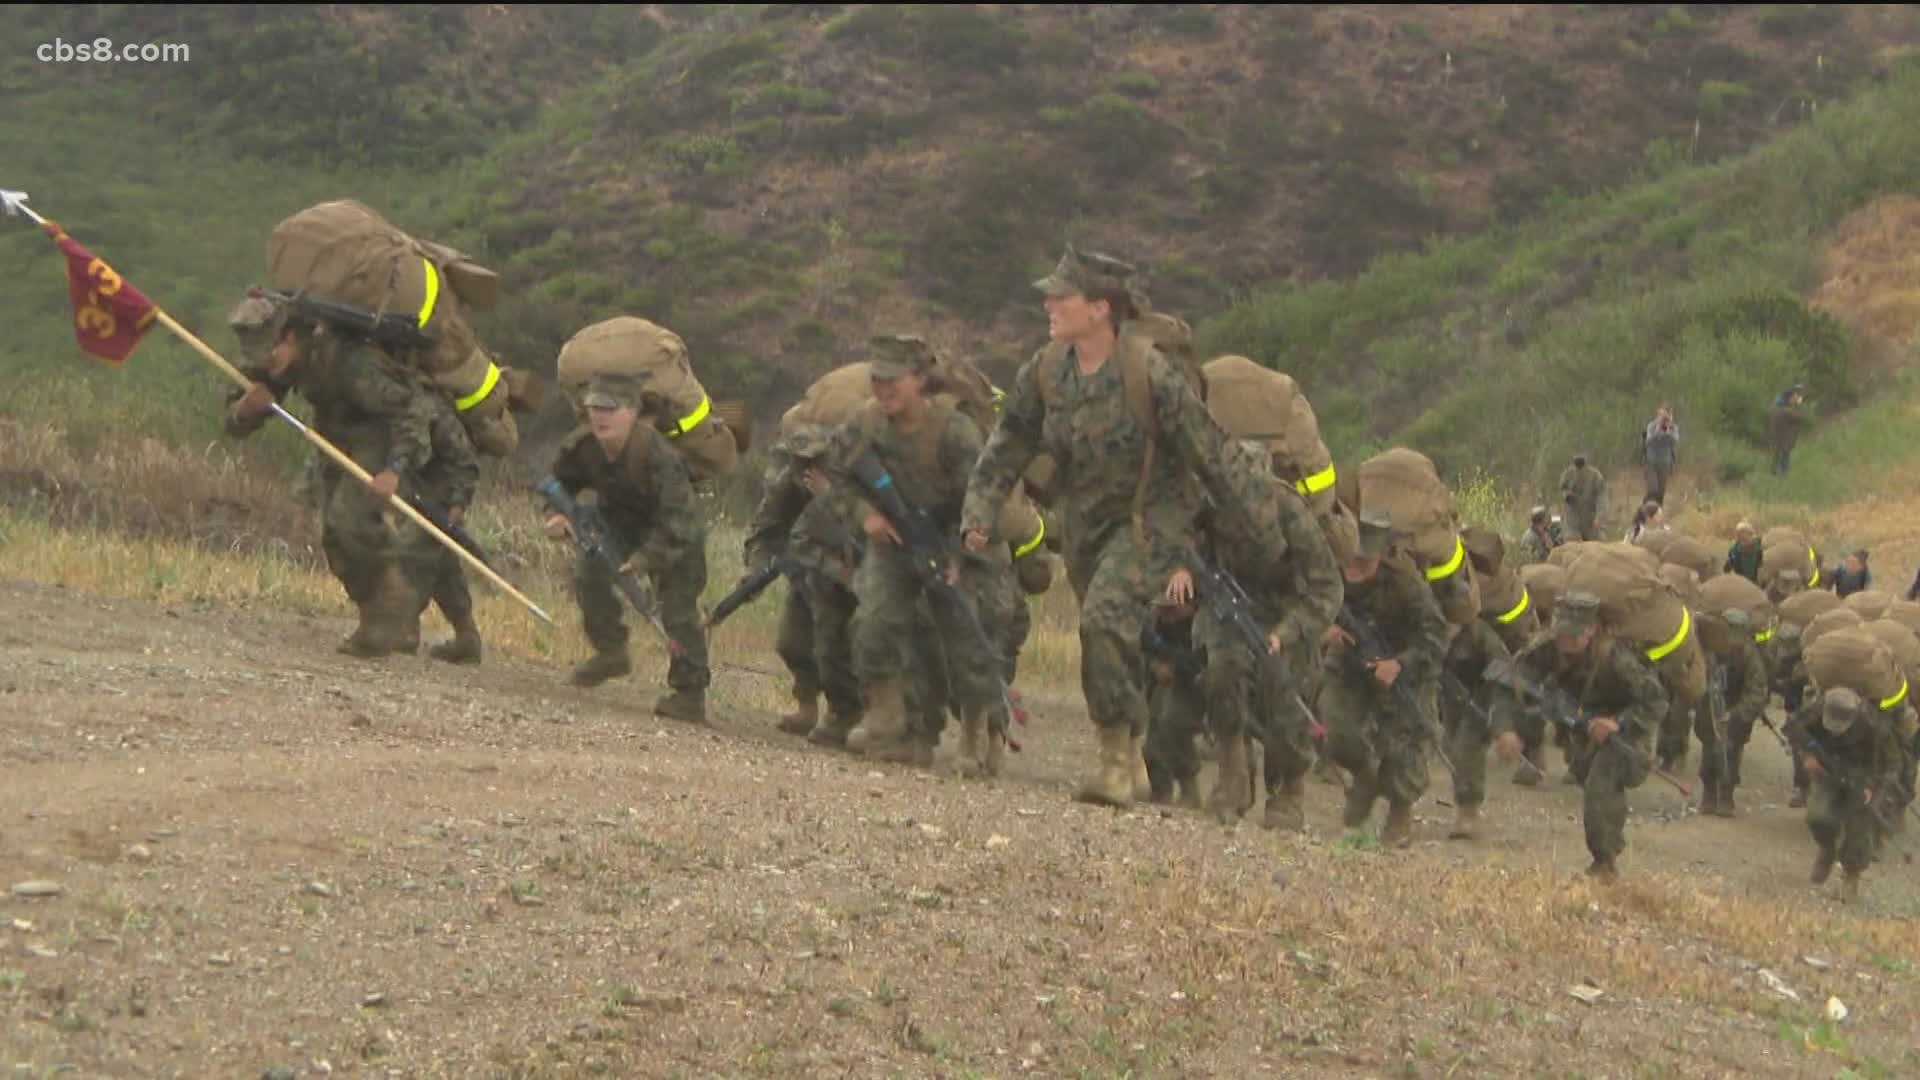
1692 554
1254 402
1545 582
1637 605
1906 613
1900 641
1786 548
671 397
343 251
1684 582
1133 351
1827 622
1802 608
1405 483
1869 604
1854 658
1733 592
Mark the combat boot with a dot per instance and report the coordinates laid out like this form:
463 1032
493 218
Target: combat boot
996 753
1359 802
885 721
1283 806
805 714
1190 794
833 730
1822 865
465 646
1798 799
973 743
687 706
603 665
1232 792
1709 797
1603 870
1466 822
1399 830
1110 783
1723 805
1142 784
1850 886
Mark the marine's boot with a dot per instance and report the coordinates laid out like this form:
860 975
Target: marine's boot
1603 870
1142 784
1709 796
1822 865
686 706
1466 822
1327 772
974 737
805 714
1531 770
465 646
1190 793
1232 791
1359 805
603 665
1283 806
1723 806
1850 886
1798 799
885 721
996 753
833 730
1110 781
1399 830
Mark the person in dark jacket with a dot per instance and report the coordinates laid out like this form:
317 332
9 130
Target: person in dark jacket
1743 557
1854 577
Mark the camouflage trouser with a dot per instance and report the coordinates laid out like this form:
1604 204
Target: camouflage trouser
1582 525
1739 732
603 612
892 599
832 605
1372 734
1608 774
1177 708
1840 825
389 566
1259 696
1468 739
794 642
1675 728
1113 584
1018 626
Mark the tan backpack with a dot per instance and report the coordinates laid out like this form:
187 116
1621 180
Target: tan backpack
1684 582
1854 658
1827 622
671 397
1254 402
345 252
1731 592
1545 583
1900 641
1802 608
1405 484
1906 613
1786 548
1692 554
1657 541
1869 604
1638 606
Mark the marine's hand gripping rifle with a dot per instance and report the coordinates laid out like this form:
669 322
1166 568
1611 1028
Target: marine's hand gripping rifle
1560 707
1369 648
926 547
590 532
1228 600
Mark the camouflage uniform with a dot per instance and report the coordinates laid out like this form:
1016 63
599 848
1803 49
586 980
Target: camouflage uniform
1467 724
1583 488
449 482
1607 678
1115 565
1371 731
645 497
929 466
1746 696
1270 542
371 409
1860 745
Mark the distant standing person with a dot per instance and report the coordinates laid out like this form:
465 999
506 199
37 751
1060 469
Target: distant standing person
1854 577
1743 557
1584 488
1789 416
1540 538
1662 452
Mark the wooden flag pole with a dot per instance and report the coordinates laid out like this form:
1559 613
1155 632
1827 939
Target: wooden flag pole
15 202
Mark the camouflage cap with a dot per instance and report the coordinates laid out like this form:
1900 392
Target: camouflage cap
806 441
257 322
610 392
1839 708
895 355
1085 272
1376 533
1575 613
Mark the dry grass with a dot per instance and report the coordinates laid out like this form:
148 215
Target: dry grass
1873 271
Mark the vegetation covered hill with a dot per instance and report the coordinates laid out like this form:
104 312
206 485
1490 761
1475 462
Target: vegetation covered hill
776 182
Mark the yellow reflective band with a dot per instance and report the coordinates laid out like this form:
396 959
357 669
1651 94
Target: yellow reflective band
692 420
999 396
433 293
1815 560
1317 483
1459 556
1661 652
1027 548
1895 699
1763 637
1519 609
486 387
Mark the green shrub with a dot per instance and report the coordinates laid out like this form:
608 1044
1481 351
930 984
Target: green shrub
1190 20
1715 95
1138 84
1122 138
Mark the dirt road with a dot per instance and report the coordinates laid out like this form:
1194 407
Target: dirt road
272 860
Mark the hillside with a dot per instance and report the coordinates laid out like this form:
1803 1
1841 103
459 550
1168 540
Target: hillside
776 182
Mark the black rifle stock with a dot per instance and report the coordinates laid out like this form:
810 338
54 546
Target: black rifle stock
926 548
750 588
591 534
1563 710
1228 600
434 512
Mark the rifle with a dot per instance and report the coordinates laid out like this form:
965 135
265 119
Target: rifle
925 546
590 532
437 514
1369 648
1229 602
391 330
1560 707
750 588
1717 710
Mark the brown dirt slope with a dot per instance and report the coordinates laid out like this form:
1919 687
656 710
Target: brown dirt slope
272 858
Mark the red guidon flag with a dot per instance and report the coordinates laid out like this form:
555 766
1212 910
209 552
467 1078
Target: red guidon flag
109 314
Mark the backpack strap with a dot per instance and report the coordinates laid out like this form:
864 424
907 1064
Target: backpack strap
639 451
